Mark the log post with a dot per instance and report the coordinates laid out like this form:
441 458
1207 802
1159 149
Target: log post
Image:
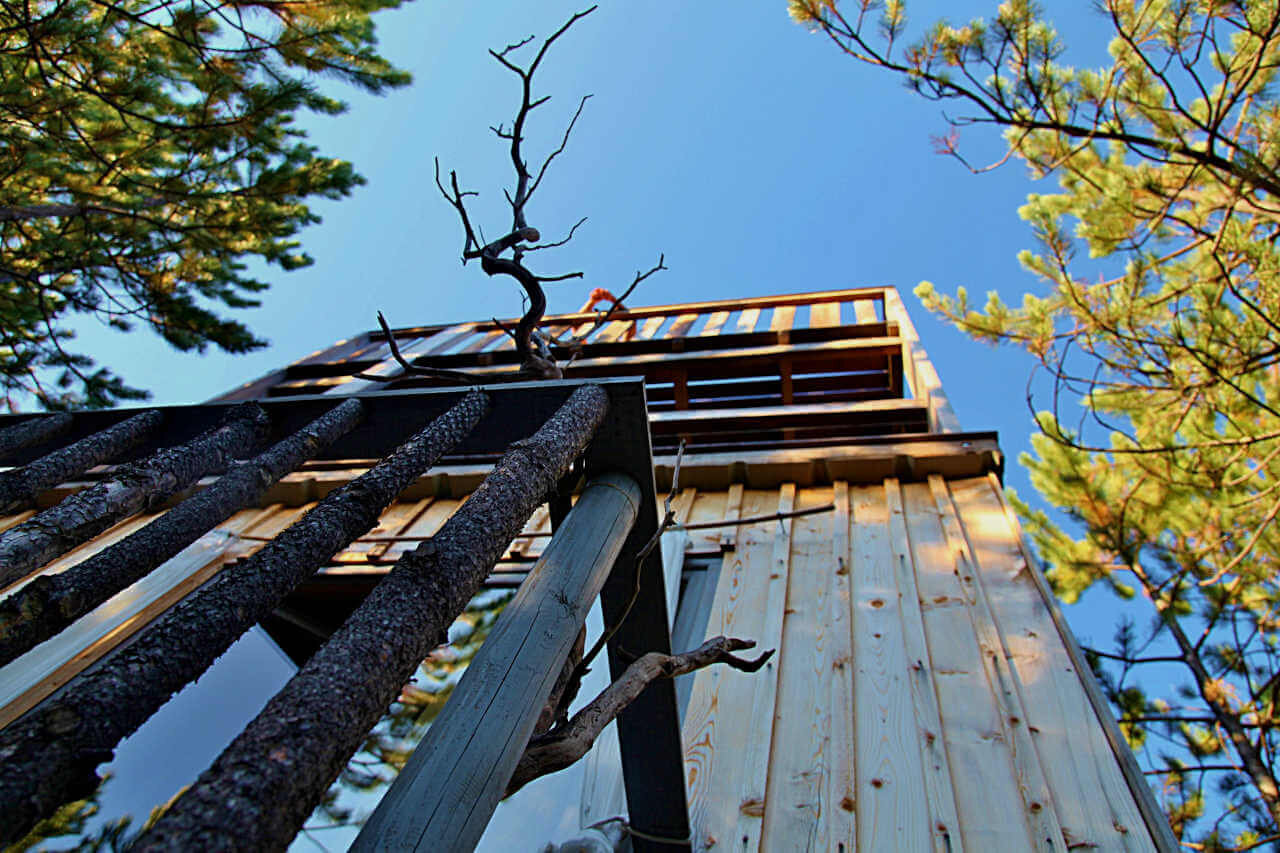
33 431
49 603
131 488
20 486
49 757
446 793
261 789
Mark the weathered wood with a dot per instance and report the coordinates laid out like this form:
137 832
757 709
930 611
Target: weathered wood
51 602
839 792
666 311
784 317
602 786
472 747
990 813
753 784
650 327
49 758
263 786
1099 787
796 813
715 726
133 487
889 779
680 327
21 485
922 377
36 675
715 322
748 319
33 431
1042 813
864 311
824 314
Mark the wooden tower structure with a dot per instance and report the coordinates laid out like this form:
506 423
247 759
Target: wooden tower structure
926 693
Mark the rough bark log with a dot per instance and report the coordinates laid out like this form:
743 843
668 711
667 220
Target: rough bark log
49 603
130 489
48 757
260 790
33 431
20 486
563 746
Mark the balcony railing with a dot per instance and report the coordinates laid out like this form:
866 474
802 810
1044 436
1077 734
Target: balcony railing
799 370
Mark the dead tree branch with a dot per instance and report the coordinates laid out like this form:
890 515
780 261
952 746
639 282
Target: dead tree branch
565 744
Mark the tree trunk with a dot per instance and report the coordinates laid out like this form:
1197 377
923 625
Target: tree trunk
265 784
130 489
20 486
49 603
48 757
33 431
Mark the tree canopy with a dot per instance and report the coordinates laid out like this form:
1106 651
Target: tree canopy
148 154
1156 320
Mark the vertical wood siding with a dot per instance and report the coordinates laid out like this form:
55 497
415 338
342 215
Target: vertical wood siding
922 699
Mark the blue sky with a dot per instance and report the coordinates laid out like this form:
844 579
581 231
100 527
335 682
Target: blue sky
749 151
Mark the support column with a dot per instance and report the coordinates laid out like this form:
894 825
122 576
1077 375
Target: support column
449 788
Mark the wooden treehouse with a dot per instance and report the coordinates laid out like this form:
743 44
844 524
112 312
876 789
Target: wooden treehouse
926 693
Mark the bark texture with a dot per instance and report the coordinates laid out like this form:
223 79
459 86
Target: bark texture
33 431
130 489
49 603
20 486
260 790
49 757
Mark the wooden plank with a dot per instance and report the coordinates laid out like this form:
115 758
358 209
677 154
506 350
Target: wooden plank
755 771
481 342
715 322
449 787
797 814
681 325
839 795
394 521
748 319
732 512
27 680
864 311
650 327
824 314
716 719
1042 814
922 378
1095 805
783 318
614 331
990 814
894 806
602 789
388 367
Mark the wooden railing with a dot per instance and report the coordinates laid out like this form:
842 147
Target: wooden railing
795 370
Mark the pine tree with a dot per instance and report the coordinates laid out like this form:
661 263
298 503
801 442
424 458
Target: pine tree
1157 310
147 152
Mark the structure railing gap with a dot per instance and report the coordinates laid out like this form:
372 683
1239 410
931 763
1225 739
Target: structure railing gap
263 787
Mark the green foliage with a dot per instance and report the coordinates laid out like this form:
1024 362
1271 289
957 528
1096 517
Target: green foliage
147 152
1157 322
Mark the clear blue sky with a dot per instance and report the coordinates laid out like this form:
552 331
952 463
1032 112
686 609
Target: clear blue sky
752 153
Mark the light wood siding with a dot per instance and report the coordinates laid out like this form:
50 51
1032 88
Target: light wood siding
922 698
